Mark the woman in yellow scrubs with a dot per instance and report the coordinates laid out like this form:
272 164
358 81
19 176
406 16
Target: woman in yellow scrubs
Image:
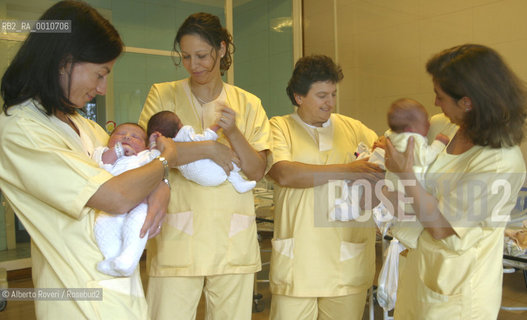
209 242
48 176
456 270
319 269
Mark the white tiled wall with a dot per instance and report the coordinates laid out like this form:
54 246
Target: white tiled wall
383 45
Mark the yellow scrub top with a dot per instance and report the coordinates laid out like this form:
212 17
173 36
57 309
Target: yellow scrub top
47 177
209 230
460 277
311 256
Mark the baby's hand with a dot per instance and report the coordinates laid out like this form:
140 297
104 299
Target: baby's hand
443 138
380 143
128 151
152 140
215 127
109 156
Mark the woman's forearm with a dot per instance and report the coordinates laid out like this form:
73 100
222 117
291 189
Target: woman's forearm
252 162
426 208
123 192
302 175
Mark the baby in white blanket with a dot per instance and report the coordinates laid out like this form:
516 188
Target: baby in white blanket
406 118
117 235
205 171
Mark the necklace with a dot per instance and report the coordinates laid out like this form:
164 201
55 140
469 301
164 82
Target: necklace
203 101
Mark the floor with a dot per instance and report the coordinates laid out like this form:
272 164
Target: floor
514 294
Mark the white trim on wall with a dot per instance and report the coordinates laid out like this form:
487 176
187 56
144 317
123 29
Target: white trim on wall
154 52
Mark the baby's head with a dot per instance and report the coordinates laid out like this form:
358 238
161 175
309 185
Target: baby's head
129 134
408 115
165 122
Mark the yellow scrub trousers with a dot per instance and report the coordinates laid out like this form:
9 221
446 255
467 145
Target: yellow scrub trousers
227 297
328 308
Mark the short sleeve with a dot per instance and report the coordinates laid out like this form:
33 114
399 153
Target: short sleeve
152 106
258 131
281 150
361 132
36 159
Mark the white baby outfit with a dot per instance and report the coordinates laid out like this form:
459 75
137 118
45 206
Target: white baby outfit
408 231
205 171
344 208
117 235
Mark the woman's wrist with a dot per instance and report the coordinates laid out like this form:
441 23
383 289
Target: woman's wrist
233 134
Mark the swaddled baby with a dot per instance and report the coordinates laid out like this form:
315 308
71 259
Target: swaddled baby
205 171
117 235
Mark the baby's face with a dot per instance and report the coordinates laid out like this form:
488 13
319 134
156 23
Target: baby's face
128 134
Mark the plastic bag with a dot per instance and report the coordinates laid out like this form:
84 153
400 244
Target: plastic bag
388 277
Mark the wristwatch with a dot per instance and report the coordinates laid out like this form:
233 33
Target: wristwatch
164 162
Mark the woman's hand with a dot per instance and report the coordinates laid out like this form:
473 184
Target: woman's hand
168 149
366 170
223 156
157 209
369 171
397 162
227 120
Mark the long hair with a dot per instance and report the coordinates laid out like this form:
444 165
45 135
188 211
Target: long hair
34 72
309 70
498 96
209 28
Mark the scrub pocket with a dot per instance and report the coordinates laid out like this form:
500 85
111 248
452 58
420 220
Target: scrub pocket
354 263
434 305
282 261
120 295
445 280
174 243
243 242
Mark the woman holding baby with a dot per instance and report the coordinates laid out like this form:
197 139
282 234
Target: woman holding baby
469 190
208 243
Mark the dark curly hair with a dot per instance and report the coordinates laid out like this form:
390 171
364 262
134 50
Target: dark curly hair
209 28
498 96
309 70
34 72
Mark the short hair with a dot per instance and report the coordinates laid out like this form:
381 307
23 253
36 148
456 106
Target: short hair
131 124
311 69
209 28
498 96
403 113
165 122
34 71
